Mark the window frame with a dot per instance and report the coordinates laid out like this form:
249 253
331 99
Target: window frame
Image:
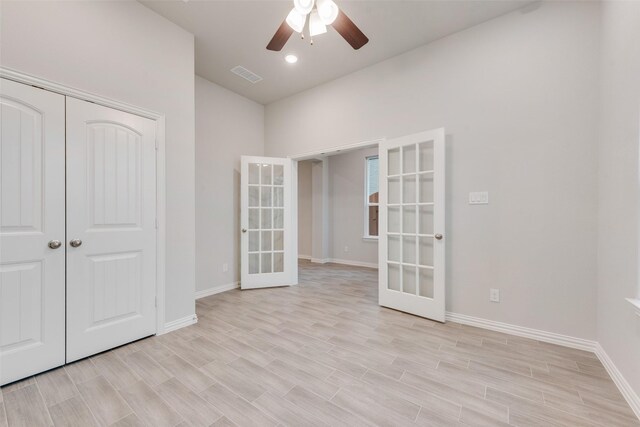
367 204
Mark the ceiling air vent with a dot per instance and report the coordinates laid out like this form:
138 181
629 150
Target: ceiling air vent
246 74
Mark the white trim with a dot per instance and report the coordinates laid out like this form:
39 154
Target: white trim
20 77
629 394
521 331
354 263
42 83
636 304
192 319
335 150
306 257
320 260
370 238
217 289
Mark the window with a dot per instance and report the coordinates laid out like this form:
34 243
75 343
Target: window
371 197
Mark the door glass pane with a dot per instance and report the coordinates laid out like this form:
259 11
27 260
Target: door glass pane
393 281
254 219
278 174
393 167
265 172
409 159
254 263
409 219
426 219
265 244
409 249
254 241
278 196
278 218
266 219
265 266
254 196
425 251
409 279
425 153
254 173
265 196
425 283
409 189
394 220
278 240
394 191
426 188
393 248
278 262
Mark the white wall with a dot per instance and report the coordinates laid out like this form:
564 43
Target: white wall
123 51
517 96
305 190
618 327
227 126
346 217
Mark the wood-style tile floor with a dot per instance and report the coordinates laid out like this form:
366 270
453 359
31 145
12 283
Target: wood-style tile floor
322 353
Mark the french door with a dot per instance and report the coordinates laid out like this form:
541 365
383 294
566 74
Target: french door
268 257
32 258
411 236
111 228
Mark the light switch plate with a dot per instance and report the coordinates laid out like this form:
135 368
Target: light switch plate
479 198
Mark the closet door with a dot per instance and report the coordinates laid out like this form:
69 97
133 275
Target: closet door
31 231
111 231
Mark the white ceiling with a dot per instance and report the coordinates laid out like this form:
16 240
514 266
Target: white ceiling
230 33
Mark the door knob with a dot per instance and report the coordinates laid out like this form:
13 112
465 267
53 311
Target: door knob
75 243
438 236
55 244
244 230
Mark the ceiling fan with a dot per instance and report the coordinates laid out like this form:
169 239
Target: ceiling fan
326 12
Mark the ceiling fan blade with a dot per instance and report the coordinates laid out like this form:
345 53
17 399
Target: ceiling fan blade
280 37
349 31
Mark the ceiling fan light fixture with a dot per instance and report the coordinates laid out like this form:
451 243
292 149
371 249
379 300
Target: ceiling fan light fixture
315 24
296 21
303 6
327 10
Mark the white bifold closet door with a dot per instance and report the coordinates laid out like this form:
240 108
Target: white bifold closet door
111 228
32 256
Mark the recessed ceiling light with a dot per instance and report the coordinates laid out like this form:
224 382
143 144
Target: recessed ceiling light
291 59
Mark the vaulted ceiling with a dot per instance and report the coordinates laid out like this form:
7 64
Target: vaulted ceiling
231 33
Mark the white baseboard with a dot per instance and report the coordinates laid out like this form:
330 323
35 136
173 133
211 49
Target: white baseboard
180 323
521 331
354 263
320 260
629 394
217 290
307 257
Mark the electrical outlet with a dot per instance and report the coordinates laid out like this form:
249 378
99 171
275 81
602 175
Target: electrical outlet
225 267
494 295
346 248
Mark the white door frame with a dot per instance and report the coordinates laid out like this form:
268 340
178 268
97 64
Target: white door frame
159 118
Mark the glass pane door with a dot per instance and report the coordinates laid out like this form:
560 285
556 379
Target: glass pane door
412 212
266 214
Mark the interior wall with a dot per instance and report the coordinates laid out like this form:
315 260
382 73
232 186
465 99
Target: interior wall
346 217
305 190
618 326
227 127
519 101
123 51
